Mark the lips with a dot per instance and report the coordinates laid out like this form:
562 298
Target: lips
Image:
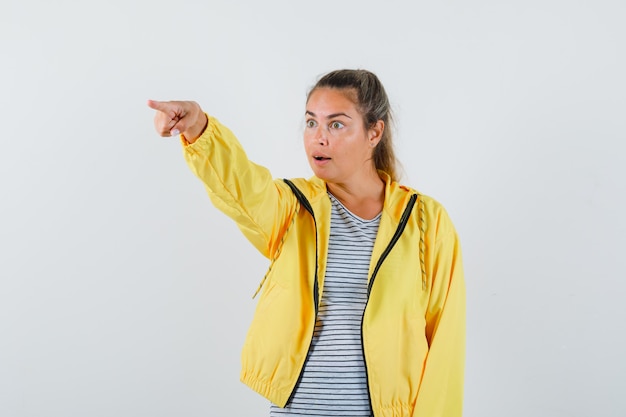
320 160
320 157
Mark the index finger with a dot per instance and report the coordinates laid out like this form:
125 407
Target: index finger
162 106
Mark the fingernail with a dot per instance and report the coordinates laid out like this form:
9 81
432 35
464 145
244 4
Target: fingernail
174 132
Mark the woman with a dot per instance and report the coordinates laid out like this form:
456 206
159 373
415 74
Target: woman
363 306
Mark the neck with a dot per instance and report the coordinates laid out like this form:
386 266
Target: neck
364 198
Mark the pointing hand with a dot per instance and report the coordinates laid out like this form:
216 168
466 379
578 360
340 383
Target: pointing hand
175 117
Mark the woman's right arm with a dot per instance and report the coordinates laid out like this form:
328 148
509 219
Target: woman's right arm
243 190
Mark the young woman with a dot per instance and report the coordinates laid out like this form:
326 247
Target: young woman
362 309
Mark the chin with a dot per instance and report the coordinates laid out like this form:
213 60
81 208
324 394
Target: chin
320 174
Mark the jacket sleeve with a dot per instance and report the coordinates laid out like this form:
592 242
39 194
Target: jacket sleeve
441 389
243 190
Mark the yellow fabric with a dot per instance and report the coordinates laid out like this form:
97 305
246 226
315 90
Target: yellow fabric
414 322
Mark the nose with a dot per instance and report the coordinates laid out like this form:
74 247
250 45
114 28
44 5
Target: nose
320 136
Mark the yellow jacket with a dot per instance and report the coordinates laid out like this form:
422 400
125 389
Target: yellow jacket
413 327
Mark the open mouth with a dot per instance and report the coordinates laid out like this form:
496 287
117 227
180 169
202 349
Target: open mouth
320 158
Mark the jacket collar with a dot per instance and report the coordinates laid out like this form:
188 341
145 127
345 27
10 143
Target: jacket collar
397 196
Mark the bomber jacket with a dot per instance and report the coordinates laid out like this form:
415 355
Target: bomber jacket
413 326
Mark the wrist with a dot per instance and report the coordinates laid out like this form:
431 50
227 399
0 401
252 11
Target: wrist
198 128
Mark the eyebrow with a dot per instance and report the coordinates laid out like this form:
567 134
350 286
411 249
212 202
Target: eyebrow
330 116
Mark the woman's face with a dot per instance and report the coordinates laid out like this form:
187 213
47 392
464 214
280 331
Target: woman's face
338 147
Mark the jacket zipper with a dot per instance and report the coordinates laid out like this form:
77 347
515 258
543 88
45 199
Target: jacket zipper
307 206
396 236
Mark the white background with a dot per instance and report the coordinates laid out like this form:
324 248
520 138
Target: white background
123 292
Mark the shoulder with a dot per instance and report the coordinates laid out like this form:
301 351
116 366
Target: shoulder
312 188
429 211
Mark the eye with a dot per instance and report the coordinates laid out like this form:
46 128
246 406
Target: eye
336 125
310 123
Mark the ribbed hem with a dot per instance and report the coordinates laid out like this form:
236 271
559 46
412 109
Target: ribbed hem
266 389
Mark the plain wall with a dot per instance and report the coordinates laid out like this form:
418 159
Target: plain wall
123 292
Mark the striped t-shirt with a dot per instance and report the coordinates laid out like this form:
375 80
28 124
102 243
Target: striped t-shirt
333 381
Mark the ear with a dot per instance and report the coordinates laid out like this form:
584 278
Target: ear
375 133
